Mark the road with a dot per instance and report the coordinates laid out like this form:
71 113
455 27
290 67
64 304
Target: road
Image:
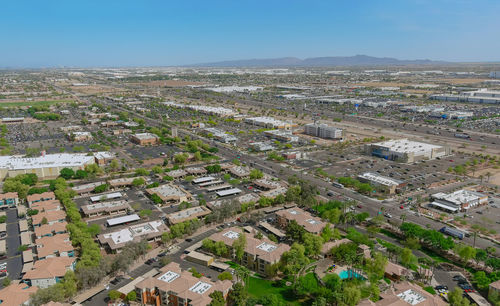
369 205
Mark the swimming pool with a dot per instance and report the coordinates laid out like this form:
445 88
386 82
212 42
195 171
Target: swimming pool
345 274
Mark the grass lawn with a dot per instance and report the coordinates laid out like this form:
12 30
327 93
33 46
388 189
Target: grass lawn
32 103
258 287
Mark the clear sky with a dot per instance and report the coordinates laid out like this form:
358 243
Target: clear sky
46 33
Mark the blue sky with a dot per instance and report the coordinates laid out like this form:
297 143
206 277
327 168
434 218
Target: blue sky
45 33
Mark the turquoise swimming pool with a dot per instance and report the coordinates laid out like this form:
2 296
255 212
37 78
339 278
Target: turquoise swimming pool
345 274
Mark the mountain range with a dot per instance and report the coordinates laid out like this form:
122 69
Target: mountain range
329 61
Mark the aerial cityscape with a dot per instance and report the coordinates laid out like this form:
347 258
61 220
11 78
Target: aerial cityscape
213 175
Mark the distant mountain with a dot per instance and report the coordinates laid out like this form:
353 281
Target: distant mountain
329 61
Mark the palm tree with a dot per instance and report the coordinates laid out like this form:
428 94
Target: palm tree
488 174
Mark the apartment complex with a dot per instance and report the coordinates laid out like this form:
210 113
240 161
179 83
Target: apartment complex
310 223
49 271
406 151
259 253
322 130
40 197
9 199
177 287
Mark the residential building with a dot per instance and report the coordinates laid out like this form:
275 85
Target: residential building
187 214
495 286
170 193
310 223
49 205
49 230
395 272
145 139
16 294
322 130
382 183
179 287
105 208
50 216
49 271
9 199
45 166
405 293
460 200
259 253
54 246
115 241
406 151
39 197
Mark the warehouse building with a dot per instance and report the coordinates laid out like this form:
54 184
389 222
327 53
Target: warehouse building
482 95
322 130
44 166
460 200
209 110
382 183
406 151
145 139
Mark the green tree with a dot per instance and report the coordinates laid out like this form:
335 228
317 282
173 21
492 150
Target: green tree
11 185
456 298
312 244
114 295
465 252
138 182
407 257
141 172
217 299
81 174
239 246
6 282
238 295
294 231
351 295
256 174
293 260
114 165
66 173
225 275
131 296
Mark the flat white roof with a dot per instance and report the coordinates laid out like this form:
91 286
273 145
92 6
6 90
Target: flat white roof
406 146
145 136
127 234
447 207
227 192
49 160
380 179
203 179
124 219
267 247
231 235
200 287
107 196
411 297
169 277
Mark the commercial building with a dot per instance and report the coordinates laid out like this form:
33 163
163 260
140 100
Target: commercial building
106 197
240 171
105 208
261 146
170 193
145 139
40 197
460 200
179 287
79 136
123 182
177 174
45 166
482 95
187 214
266 184
406 151
9 199
322 130
115 241
282 135
310 223
258 254
209 110
16 294
382 183
270 123
219 135
196 171
49 271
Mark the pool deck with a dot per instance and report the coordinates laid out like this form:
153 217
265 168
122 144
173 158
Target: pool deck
324 264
